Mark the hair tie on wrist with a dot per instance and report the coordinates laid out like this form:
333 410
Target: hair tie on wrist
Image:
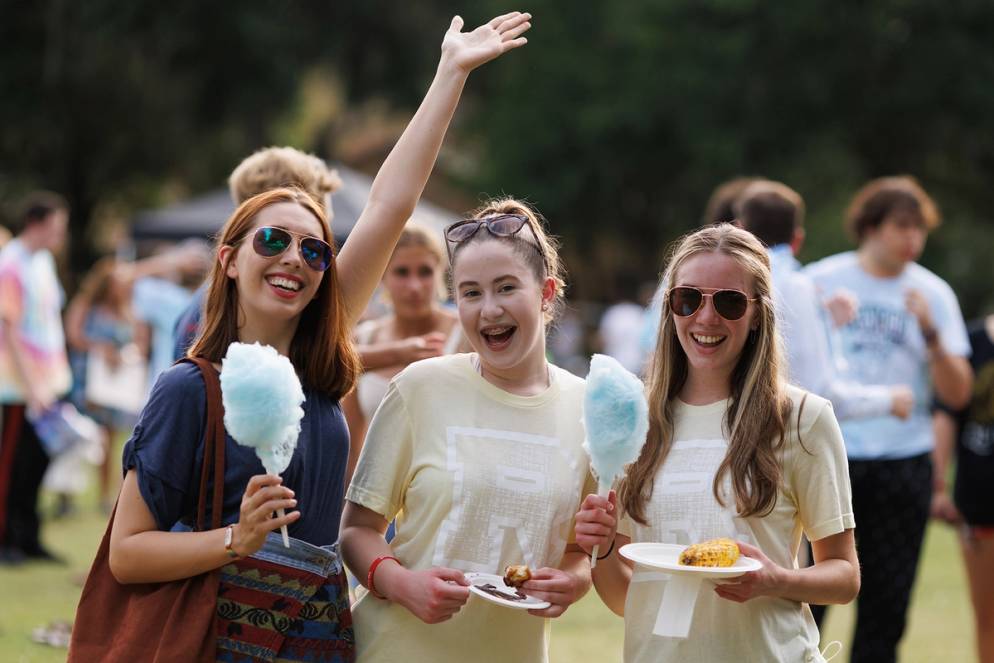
609 551
372 569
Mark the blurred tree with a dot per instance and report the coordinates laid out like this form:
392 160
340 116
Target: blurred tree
104 101
616 121
623 116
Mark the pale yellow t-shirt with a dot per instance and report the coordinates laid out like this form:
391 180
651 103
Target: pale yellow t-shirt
814 498
477 478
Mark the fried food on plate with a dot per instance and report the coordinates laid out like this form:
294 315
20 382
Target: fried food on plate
516 575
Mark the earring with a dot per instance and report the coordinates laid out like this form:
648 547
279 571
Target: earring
545 306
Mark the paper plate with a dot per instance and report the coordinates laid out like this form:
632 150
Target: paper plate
666 556
492 588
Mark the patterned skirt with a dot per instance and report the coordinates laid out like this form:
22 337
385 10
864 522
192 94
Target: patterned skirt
285 604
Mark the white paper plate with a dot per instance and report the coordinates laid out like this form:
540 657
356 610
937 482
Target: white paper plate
666 556
477 581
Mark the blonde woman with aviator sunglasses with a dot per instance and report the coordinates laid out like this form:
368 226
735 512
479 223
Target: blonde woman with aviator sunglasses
732 452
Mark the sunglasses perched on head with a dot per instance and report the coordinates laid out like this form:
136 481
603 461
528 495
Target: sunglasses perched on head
269 242
502 225
687 300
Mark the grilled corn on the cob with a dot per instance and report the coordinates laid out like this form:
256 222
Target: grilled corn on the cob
717 552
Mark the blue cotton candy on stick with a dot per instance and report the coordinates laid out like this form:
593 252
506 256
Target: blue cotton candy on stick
262 400
616 418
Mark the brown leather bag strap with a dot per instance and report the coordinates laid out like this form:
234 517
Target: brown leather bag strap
216 415
214 442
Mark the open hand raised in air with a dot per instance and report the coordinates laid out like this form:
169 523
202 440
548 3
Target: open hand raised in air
468 50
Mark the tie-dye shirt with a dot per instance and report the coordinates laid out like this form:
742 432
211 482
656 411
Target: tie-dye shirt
31 301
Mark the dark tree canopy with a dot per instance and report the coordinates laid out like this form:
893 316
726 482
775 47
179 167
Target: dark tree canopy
616 121
623 116
104 100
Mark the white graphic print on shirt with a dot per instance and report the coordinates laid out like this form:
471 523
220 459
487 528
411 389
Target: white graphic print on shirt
506 477
683 509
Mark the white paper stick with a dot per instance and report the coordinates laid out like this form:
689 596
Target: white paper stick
677 607
602 491
286 536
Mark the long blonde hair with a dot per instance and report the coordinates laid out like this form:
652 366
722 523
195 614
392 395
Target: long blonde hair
759 408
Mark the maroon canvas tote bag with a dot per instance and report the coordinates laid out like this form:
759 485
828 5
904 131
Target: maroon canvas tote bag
157 622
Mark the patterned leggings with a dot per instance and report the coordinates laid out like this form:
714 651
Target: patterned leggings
891 504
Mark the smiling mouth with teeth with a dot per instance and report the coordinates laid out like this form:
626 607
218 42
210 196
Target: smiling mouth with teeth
708 340
284 284
497 336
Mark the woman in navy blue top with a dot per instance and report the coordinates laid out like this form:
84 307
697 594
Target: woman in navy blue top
276 281
166 452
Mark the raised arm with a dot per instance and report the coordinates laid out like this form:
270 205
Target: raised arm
402 178
186 258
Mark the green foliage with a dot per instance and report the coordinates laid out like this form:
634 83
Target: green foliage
102 97
620 117
617 120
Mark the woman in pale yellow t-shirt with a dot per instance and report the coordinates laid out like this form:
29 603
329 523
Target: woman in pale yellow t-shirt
732 452
479 458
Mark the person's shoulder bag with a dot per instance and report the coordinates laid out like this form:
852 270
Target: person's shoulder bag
157 622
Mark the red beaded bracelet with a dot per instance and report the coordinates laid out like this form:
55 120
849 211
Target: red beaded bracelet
372 569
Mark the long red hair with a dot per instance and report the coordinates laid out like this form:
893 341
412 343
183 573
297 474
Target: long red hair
321 350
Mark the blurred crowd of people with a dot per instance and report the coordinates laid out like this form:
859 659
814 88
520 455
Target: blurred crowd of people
870 329
74 376
883 338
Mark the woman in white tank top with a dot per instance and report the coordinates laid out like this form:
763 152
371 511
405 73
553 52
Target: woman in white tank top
418 327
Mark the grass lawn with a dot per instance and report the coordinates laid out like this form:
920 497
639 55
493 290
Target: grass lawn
35 594
940 628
